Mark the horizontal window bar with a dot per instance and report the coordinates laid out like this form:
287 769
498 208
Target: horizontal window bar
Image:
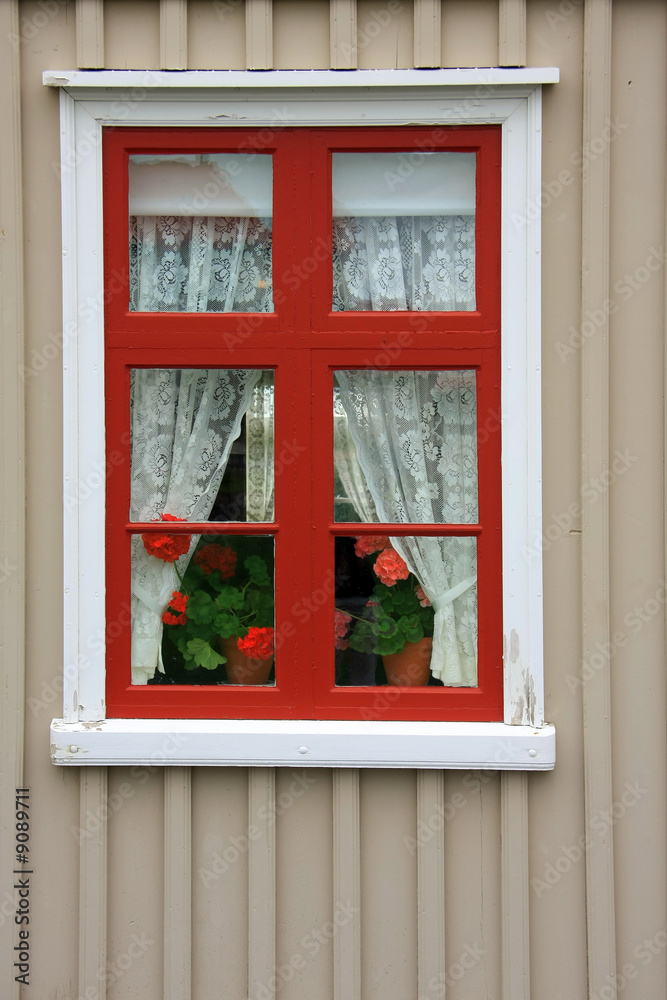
376 528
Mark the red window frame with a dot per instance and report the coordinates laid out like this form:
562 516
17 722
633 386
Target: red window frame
304 342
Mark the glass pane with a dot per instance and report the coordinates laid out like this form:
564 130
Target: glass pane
405 446
387 629
200 233
202 609
202 444
404 231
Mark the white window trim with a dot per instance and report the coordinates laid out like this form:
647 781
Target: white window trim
90 100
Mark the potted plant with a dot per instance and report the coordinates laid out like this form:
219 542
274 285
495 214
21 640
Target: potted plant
223 612
397 622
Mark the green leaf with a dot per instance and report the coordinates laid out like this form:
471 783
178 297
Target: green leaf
229 597
406 602
392 644
410 628
204 655
201 608
427 619
363 638
227 625
260 604
214 581
258 572
386 626
194 576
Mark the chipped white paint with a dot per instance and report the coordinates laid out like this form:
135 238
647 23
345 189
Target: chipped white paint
522 412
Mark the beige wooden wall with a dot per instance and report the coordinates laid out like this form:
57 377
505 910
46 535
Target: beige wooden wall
502 887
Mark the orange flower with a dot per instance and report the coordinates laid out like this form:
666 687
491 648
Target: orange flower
421 597
175 613
341 624
258 644
169 548
216 556
366 545
390 567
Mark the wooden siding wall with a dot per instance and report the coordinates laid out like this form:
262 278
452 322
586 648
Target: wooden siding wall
160 883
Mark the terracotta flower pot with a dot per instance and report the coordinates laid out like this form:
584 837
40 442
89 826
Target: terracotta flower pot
410 667
242 669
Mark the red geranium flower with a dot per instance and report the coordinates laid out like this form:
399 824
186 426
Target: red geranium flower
366 545
169 548
341 624
216 556
421 597
175 613
390 567
258 644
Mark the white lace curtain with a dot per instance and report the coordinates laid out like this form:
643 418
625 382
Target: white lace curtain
184 422
409 262
260 462
414 436
200 264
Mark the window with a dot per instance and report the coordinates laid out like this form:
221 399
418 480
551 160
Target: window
302 372
211 350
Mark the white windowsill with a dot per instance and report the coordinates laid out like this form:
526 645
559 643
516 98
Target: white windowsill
297 743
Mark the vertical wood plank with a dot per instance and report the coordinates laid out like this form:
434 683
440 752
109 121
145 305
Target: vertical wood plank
93 883
261 878
173 34
347 883
90 34
430 880
12 491
427 43
259 34
514 886
343 34
600 917
512 33
177 883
